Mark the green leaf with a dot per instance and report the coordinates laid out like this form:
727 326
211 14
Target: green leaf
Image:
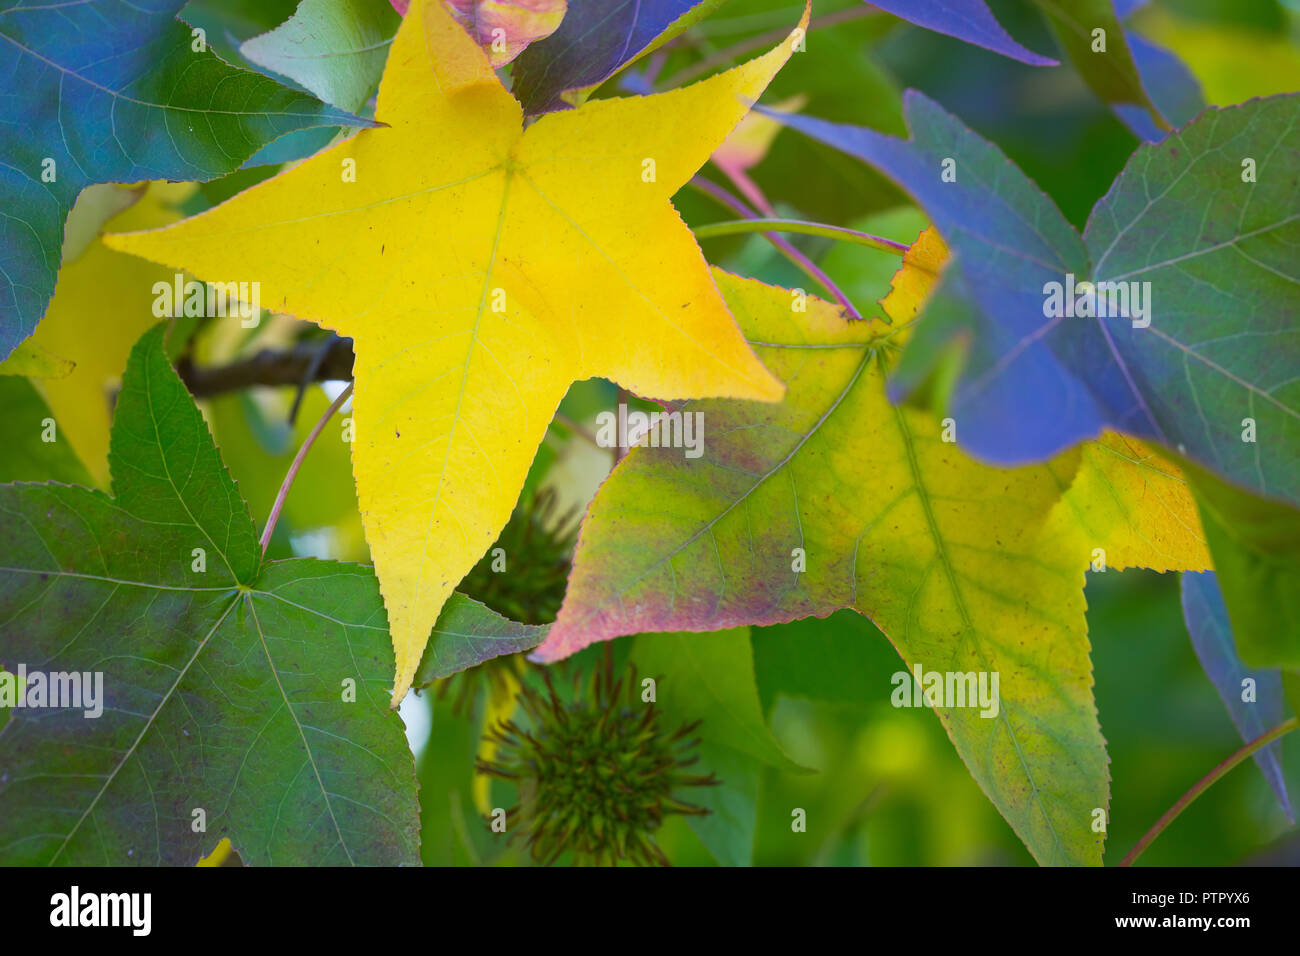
1291 688
335 48
28 457
224 683
469 633
1112 73
1256 546
253 691
819 658
452 833
727 830
710 677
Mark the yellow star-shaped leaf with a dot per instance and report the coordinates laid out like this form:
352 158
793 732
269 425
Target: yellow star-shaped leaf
480 268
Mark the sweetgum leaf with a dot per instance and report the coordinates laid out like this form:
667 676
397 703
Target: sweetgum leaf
1221 347
223 688
111 91
1207 623
964 567
467 634
1216 250
1219 254
530 239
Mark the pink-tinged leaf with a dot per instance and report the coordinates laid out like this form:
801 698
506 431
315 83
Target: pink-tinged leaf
503 28
745 147
834 498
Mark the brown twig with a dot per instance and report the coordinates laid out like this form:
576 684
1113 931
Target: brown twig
303 363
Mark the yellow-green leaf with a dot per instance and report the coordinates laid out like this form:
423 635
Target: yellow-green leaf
33 361
835 498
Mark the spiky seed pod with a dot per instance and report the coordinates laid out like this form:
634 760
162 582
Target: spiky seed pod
538 545
597 776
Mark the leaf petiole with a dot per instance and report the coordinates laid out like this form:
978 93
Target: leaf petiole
733 226
809 268
285 485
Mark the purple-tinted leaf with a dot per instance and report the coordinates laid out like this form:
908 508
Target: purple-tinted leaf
1007 239
1126 8
969 20
1207 623
954 561
1212 371
1207 222
596 39
1169 83
1212 254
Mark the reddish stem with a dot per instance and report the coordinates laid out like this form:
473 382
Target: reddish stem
285 485
740 208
